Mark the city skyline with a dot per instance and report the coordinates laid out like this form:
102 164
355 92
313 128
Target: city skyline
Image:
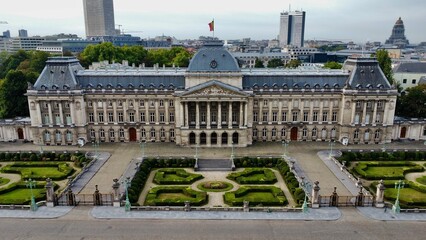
358 21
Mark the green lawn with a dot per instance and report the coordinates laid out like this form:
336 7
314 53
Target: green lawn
45 172
175 177
40 170
21 196
173 196
406 195
421 180
254 176
256 195
386 171
4 181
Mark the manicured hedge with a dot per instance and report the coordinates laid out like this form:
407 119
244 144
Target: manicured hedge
237 198
77 158
406 201
19 200
382 156
139 180
195 198
408 167
254 176
24 169
289 178
174 176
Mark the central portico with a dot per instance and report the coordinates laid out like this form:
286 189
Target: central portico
214 114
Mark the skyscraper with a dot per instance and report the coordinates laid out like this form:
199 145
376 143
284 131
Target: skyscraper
6 34
22 33
292 28
398 35
99 18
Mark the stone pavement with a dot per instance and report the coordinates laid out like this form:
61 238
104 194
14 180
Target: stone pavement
42 212
323 214
387 214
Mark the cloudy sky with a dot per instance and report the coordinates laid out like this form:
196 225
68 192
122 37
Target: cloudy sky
357 20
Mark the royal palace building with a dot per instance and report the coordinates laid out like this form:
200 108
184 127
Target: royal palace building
212 103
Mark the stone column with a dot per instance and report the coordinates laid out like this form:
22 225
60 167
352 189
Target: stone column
364 112
157 114
208 115
374 113
315 195
49 108
50 193
116 193
280 111
353 112
311 112
330 112
39 117
180 112
197 115
105 106
230 115
380 194
245 114
270 111
137 114
73 121
241 115
260 114
186 115
166 111
95 111
114 110
385 113
61 114
219 115
321 111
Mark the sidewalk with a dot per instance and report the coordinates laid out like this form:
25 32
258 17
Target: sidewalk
42 212
322 214
388 215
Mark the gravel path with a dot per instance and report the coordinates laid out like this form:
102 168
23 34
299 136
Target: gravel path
413 176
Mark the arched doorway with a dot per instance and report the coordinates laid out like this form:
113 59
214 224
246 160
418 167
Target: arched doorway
293 133
224 138
192 138
132 134
20 133
203 138
213 138
235 138
403 132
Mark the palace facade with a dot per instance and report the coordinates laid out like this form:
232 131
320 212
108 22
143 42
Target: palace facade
212 103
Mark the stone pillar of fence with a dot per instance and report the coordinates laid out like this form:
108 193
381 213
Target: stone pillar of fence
246 206
70 198
380 195
315 195
187 207
115 188
97 197
50 193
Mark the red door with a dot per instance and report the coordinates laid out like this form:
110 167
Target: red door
20 133
293 135
403 132
132 134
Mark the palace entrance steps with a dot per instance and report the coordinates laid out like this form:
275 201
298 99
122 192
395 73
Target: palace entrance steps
214 165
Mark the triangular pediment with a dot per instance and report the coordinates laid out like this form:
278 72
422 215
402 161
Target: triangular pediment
214 89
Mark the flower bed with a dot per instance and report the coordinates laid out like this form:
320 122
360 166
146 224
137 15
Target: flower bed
256 195
254 176
175 196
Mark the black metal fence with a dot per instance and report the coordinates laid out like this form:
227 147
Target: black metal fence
97 199
346 201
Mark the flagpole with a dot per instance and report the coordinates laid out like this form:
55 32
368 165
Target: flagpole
213 27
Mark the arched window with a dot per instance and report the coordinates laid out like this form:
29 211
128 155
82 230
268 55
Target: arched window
58 136
69 136
143 133
47 136
152 133
304 132
314 132
333 133
356 134
121 133
356 120
324 133
162 133
254 132
377 134
367 135
92 133
367 118
111 134
102 133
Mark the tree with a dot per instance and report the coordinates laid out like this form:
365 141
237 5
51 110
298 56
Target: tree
258 63
293 63
333 65
412 103
385 64
13 102
274 63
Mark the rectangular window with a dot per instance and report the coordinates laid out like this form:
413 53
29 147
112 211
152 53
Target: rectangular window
255 119
404 80
274 116
68 118
380 104
162 119
315 116
162 133
295 116
305 116
58 119
369 104
172 133
213 116
120 103
152 117
284 117
110 117
101 117
234 116
334 117
171 103
67 105
358 104
265 103
378 118
413 81
265 117
152 133
171 117
324 116
161 103
91 117
142 117
131 117
120 117
109 103
152 103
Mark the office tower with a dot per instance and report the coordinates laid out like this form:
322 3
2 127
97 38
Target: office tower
99 18
292 28
22 33
6 34
398 35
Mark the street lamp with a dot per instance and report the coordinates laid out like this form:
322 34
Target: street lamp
95 145
398 185
285 144
232 150
305 186
142 145
196 152
331 148
31 184
126 184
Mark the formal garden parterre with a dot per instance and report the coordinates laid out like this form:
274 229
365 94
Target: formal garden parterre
391 167
22 166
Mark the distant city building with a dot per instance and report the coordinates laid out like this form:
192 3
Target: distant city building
5 44
398 35
292 28
408 74
153 44
6 34
121 40
61 46
26 43
99 18
296 52
15 129
248 59
22 33
61 36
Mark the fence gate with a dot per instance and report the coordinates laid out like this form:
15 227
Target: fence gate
97 199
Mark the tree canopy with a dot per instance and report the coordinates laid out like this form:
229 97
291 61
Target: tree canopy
412 103
274 63
258 63
293 63
385 63
333 65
